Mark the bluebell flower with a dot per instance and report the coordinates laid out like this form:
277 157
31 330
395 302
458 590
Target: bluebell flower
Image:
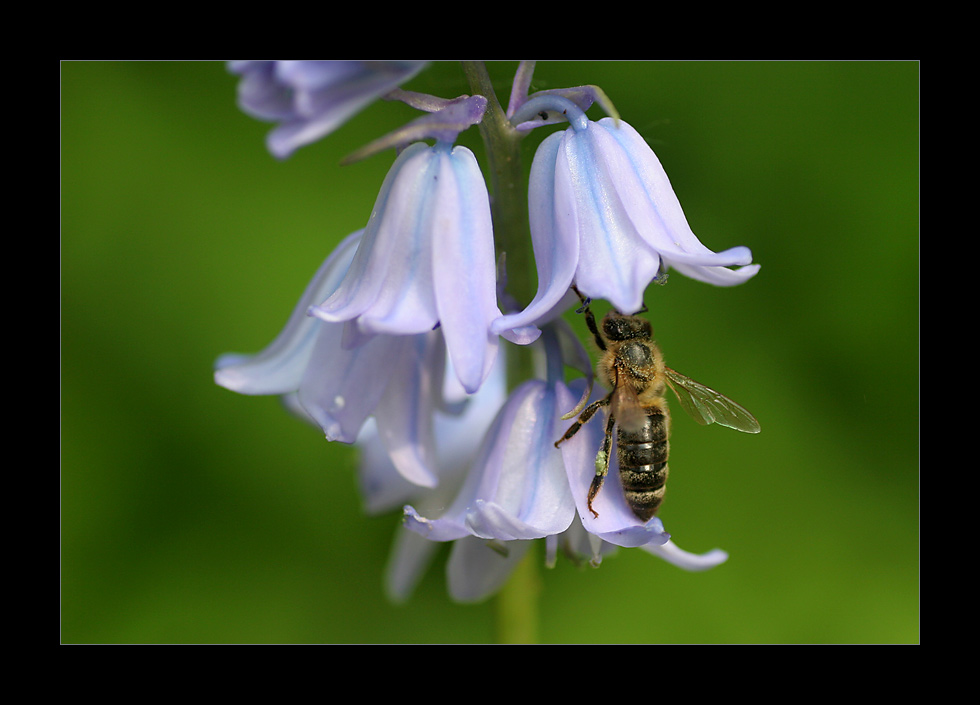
517 487
427 259
310 99
603 216
459 427
338 380
279 368
397 398
515 491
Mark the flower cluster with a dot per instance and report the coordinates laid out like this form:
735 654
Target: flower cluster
403 341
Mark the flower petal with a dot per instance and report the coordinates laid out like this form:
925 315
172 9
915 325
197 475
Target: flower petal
405 414
655 209
259 93
382 487
427 258
409 559
554 237
279 368
688 561
446 528
464 266
615 262
517 487
489 520
344 386
313 98
719 276
388 287
478 569
616 522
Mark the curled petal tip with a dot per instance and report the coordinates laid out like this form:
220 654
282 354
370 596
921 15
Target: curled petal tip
694 562
600 198
522 335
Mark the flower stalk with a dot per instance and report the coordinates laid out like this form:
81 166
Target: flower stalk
507 186
516 603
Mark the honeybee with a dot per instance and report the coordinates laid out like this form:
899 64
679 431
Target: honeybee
632 366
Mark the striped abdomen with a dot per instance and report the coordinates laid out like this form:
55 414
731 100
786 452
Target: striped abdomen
643 462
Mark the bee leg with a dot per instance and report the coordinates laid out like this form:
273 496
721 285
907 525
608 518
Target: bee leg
590 319
601 464
583 418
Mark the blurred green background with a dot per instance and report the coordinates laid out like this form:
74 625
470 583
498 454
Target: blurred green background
192 514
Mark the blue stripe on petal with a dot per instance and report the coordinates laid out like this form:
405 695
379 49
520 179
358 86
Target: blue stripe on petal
388 286
615 262
464 267
554 237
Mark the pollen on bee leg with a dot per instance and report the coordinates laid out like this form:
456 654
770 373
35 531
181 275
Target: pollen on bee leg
601 468
601 463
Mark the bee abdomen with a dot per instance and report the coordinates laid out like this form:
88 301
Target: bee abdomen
643 464
644 487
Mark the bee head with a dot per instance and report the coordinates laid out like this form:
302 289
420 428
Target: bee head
618 327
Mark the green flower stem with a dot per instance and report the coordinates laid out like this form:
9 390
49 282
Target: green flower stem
517 602
508 188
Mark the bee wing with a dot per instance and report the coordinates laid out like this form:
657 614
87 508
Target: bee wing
708 406
626 407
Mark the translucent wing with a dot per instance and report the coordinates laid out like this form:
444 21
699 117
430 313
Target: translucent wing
708 406
626 407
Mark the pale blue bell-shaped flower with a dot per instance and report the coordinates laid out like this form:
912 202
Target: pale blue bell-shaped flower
310 99
457 431
459 422
604 217
517 487
399 399
427 260
279 368
396 379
